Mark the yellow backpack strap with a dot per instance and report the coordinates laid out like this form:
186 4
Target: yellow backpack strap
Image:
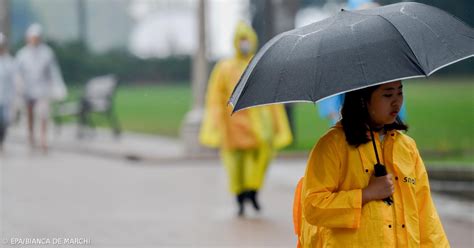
297 210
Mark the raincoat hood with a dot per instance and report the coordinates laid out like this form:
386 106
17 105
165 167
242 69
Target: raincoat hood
250 129
244 31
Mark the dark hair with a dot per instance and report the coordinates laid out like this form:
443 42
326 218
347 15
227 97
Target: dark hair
355 117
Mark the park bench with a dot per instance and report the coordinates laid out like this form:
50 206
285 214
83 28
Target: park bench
97 99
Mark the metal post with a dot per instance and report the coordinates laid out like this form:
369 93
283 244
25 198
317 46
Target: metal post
192 122
200 64
284 13
279 16
5 17
82 21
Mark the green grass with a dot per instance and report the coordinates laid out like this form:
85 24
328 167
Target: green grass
153 109
440 115
148 109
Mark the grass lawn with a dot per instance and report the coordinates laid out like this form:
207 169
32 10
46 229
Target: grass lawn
147 109
153 109
440 113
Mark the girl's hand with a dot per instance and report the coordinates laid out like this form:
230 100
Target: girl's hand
379 188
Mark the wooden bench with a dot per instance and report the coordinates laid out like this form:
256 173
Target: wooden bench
97 98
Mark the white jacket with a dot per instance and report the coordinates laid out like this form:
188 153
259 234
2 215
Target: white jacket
7 85
39 71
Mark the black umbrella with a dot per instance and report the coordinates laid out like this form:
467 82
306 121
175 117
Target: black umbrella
353 50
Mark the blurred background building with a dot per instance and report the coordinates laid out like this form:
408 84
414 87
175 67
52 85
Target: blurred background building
164 30
147 28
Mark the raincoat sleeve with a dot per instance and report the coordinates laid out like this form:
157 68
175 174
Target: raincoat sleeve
431 230
9 87
283 136
59 90
20 67
324 205
210 133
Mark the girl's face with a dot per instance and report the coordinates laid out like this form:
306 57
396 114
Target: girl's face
385 103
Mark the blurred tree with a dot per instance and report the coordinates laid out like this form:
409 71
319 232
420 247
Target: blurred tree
78 64
271 18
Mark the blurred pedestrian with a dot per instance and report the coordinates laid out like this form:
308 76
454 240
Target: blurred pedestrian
344 203
247 139
329 108
42 80
7 88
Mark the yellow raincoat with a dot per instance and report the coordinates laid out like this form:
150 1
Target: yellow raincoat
247 138
332 196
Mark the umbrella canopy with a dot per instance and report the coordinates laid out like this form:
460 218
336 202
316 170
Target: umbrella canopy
353 50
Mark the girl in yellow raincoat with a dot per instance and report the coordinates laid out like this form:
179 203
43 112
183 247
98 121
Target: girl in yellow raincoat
343 202
247 138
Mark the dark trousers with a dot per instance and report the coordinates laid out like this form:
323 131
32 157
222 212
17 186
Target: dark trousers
3 125
3 132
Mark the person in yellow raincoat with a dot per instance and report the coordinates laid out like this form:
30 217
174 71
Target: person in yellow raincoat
247 139
342 200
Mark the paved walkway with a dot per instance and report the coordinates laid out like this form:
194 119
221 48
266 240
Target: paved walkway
102 143
77 192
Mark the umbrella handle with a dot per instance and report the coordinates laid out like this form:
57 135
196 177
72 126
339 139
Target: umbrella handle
379 171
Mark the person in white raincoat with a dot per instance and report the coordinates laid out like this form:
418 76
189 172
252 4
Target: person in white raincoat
42 81
7 87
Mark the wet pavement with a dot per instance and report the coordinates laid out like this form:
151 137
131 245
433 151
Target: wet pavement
181 203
